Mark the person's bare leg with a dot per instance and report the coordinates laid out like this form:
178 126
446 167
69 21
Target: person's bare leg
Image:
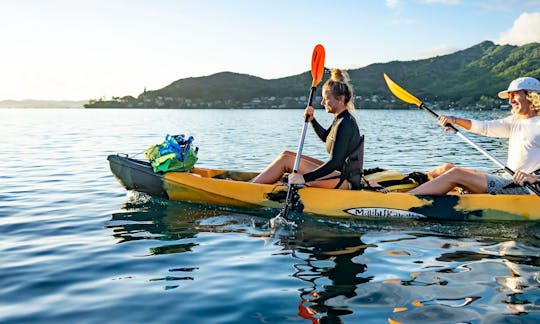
329 184
471 180
283 163
439 170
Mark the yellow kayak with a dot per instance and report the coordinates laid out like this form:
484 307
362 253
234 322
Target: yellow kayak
230 188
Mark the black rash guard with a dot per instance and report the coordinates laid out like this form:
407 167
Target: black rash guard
341 139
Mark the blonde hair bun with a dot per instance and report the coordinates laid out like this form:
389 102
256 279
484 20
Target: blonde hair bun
339 75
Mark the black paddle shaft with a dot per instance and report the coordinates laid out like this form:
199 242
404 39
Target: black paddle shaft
310 100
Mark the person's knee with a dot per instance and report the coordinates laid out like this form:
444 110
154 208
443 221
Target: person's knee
447 166
440 170
456 173
287 153
286 158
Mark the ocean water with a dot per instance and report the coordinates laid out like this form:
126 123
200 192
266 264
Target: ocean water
77 247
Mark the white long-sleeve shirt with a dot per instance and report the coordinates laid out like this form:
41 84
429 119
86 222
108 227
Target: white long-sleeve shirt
523 143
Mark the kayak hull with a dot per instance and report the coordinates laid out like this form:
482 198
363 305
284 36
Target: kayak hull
232 189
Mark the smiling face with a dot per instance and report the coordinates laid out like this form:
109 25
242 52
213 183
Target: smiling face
520 105
332 104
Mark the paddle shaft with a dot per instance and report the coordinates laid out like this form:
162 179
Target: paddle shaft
303 136
481 150
298 154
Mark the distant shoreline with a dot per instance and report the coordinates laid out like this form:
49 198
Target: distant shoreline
32 103
1 107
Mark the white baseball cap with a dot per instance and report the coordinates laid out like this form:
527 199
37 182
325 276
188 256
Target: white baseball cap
523 83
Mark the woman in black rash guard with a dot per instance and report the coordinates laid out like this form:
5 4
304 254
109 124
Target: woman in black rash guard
343 142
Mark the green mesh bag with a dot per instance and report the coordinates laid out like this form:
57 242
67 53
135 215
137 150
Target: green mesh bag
174 154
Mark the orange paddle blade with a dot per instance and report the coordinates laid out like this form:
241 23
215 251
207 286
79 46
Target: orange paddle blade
317 64
401 93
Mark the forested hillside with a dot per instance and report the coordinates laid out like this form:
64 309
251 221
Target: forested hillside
464 79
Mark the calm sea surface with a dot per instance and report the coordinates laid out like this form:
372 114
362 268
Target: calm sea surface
75 247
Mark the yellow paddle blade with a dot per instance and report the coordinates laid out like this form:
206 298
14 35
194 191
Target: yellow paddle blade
401 93
317 64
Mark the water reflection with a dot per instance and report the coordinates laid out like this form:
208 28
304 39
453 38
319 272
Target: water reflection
399 271
326 264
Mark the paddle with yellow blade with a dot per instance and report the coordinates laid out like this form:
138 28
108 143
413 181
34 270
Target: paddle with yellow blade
403 95
317 71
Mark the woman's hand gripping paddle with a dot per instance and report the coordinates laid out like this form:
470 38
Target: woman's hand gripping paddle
317 71
403 95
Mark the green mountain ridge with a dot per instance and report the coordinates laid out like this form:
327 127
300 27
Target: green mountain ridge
470 77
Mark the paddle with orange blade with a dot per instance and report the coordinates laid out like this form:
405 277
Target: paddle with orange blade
317 71
403 95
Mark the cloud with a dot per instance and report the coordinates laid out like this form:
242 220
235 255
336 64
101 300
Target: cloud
446 2
526 29
392 4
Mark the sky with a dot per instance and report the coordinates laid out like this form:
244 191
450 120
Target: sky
81 50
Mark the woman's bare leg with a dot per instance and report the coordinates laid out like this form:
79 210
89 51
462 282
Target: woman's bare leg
439 170
471 180
283 163
329 184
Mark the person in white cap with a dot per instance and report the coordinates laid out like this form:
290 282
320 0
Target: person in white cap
522 128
